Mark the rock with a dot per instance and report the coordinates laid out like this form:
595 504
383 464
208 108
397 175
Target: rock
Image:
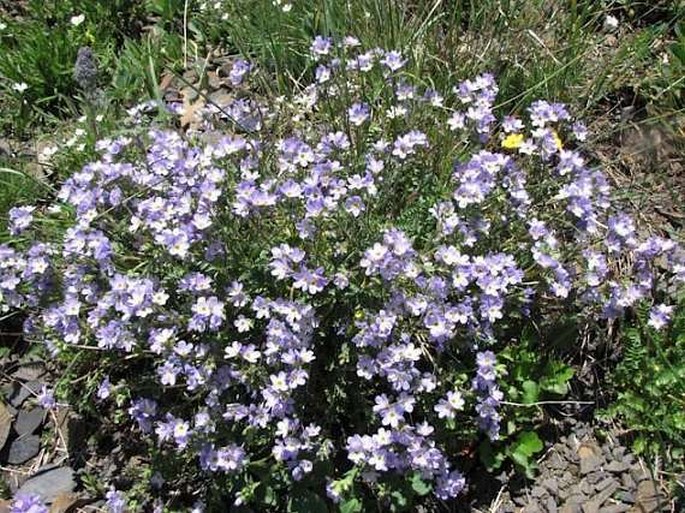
617 467
28 421
538 492
72 427
50 483
603 485
214 81
29 371
67 502
571 508
627 497
587 488
551 505
627 481
532 507
594 477
551 486
618 452
615 508
5 424
556 462
23 449
520 501
639 474
590 458
648 498
593 505
23 391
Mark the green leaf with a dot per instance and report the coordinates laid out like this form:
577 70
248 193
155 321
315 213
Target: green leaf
420 486
351 506
307 502
531 392
528 443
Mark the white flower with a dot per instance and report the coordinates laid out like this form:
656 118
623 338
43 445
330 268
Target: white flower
20 87
610 23
77 20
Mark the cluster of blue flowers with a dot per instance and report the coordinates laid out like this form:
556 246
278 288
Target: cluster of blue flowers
150 265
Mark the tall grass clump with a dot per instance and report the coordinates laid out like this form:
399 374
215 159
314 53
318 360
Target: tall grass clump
300 305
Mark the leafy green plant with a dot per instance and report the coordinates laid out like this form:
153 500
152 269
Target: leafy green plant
650 387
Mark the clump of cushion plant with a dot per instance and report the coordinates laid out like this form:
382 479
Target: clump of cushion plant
308 305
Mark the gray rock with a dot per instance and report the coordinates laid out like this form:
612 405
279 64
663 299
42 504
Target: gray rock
594 477
628 482
604 484
615 508
573 507
556 462
617 467
29 371
590 464
639 474
50 483
520 500
23 391
627 497
618 452
23 449
592 506
532 507
538 492
28 421
551 485
551 505
587 488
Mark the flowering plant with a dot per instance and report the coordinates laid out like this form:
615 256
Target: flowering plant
308 294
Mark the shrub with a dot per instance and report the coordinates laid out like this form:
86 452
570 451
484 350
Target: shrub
306 298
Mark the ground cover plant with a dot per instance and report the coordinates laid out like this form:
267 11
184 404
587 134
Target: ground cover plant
350 285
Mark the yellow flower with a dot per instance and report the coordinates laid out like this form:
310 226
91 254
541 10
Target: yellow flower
513 141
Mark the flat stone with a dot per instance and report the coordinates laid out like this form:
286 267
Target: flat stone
50 483
551 485
648 498
604 484
556 461
617 467
618 452
551 505
23 449
571 508
639 474
5 424
532 507
594 477
627 497
538 492
592 506
627 481
587 488
29 371
615 508
23 391
590 458
28 421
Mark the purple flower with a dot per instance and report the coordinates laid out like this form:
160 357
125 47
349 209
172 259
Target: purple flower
358 113
46 398
28 503
238 71
116 501
321 45
660 316
20 219
393 60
